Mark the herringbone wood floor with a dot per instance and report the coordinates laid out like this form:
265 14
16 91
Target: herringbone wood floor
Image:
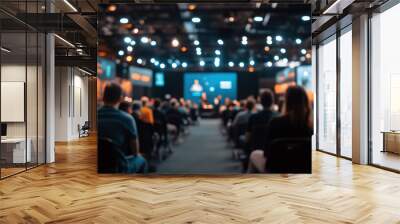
70 191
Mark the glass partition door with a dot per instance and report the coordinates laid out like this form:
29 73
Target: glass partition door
327 96
385 89
346 93
22 101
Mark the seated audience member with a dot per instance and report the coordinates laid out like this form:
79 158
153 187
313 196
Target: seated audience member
174 118
160 121
136 113
146 113
240 122
126 107
258 122
120 127
294 123
243 116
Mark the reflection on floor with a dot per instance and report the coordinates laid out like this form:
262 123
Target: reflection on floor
70 191
204 151
14 169
387 159
10 171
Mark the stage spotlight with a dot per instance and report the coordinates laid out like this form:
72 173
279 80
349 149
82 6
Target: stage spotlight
174 65
298 41
303 51
220 42
258 19
184 64
144 40
153 43
133 43
162 65
278 38
202 63
139 61
283 50
129 58
305 18
196 20
217 52
196 42
129 48
276 57
127 40
175 42
231 64
124 20
252 62
136 31
121 52
241 64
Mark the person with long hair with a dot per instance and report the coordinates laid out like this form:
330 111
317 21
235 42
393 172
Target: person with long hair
295 122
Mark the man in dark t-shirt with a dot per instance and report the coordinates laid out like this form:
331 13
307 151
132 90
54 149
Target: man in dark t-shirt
258 122
119 126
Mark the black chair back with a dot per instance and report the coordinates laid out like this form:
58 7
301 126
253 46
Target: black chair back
258 134
289 155
109 156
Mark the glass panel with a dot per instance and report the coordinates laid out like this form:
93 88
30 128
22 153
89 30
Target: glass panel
41 98
32 96
327 97
13 86
385 84
346 94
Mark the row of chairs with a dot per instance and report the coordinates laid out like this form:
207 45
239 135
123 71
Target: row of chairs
287 155
155 146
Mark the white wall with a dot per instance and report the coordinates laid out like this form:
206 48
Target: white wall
71 102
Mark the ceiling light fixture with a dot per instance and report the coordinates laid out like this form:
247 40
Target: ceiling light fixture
84 71
124 20
196 20
64 40
127 40
129 58
308 18
175 42
258 19
5 50
70 5
144 40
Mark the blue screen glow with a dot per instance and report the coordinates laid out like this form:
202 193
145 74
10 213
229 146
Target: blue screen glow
210 83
